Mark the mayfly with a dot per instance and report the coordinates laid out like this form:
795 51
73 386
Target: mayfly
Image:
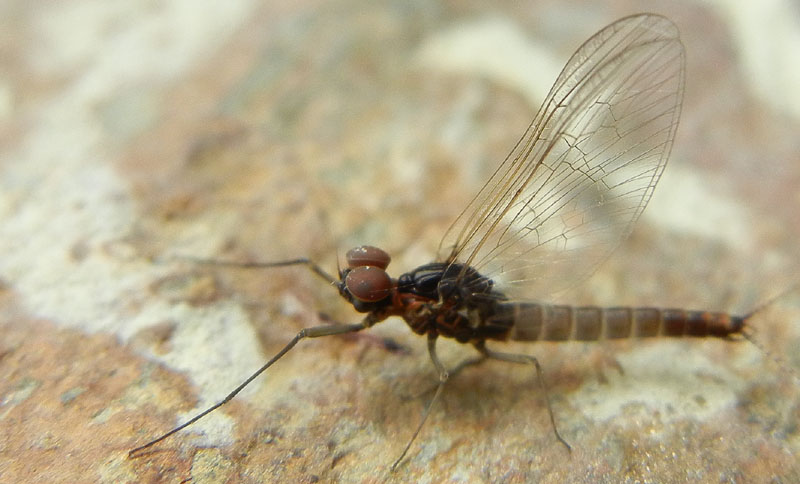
565 197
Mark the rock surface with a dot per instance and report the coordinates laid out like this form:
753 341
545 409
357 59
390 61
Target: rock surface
134 134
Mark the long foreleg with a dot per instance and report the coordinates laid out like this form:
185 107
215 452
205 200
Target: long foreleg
314 332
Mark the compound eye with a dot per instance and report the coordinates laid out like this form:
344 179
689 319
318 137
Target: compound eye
368 283
366 255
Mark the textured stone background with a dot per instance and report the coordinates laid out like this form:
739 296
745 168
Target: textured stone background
131 132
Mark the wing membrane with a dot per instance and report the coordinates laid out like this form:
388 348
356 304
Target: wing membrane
582 173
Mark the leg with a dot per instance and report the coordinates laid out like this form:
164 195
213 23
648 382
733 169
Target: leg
468 362
525 360
387 343
443 376
260 265
315 332
455 371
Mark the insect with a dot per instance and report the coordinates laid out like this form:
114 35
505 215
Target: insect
564 198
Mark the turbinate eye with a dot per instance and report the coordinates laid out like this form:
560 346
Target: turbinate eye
366 255
368 283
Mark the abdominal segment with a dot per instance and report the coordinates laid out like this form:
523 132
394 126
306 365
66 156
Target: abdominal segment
543 322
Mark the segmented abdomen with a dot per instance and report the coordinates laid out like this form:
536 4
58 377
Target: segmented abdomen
543 322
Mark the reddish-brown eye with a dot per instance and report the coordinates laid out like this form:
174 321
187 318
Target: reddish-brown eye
368 283
366 255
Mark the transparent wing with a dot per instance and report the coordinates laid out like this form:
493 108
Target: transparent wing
582 173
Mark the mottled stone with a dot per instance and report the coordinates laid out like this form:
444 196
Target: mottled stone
133 136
